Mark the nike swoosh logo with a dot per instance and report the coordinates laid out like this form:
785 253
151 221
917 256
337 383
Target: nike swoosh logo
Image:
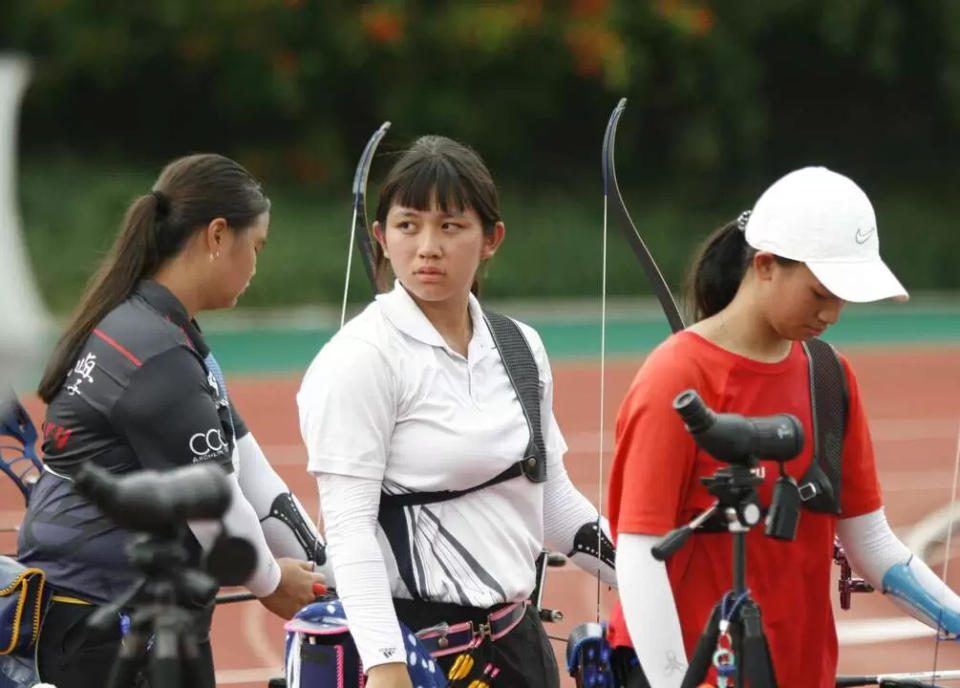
862 236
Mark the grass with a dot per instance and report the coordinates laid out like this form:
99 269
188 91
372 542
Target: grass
71 209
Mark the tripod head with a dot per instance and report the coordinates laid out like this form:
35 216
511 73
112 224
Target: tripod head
742 442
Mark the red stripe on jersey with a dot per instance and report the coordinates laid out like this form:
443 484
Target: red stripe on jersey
136 361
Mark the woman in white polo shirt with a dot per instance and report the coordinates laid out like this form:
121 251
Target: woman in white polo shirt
438 487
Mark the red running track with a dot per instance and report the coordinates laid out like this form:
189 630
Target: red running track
913 402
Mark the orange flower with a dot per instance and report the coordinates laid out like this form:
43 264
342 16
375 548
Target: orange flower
598 52
588 8
694 18
284 62
381 24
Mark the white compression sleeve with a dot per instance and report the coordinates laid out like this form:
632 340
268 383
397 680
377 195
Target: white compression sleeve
289 531
350 508
650 611
241 520
873 550
566 512
871 546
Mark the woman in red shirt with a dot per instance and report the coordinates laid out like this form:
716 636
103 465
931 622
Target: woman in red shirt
762 284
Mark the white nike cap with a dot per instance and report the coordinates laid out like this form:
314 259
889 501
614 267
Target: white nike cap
825 220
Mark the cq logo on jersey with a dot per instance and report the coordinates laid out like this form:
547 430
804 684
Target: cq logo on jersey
203 444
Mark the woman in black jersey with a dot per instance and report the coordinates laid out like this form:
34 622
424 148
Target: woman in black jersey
130 386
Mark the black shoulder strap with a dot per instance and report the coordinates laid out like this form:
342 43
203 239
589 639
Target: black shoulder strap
829 399
525 378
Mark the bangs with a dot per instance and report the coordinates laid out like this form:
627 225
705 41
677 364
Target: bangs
416 186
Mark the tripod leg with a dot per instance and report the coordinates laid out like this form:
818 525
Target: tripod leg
165 667
702 658
130 659
756 661
197 662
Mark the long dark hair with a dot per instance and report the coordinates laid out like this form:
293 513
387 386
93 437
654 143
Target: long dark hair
190 192
452 171
719 267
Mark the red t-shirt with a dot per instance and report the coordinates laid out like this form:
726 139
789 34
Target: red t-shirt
655 487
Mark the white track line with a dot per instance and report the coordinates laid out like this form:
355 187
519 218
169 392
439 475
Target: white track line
881 630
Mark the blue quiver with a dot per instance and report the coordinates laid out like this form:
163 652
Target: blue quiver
589 656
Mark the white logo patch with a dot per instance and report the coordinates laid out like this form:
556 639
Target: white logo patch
207 444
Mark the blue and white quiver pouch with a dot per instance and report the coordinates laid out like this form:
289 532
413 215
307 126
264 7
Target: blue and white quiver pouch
320 652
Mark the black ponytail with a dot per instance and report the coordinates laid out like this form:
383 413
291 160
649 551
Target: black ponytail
718 270
719 267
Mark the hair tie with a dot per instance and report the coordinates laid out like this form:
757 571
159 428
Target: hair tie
163 204
742 220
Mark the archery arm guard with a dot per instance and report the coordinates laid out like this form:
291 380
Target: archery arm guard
917 590
585 553
289 531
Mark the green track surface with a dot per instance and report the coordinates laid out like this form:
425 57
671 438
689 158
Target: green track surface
289 350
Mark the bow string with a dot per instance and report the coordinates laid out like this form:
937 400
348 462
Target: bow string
611 192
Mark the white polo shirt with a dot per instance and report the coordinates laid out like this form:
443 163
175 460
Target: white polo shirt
387 399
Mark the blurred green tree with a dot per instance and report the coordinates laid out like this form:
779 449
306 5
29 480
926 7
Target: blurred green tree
294 86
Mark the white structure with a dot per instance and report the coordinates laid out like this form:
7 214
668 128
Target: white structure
23 318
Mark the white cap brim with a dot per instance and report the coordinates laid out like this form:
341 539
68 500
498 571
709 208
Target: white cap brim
859 282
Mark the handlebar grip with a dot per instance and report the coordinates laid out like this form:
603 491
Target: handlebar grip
670 543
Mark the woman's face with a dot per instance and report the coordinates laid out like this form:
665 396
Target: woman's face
237 261
796 304
434 253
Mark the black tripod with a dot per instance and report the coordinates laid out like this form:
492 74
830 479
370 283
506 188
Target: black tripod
739 441
164 620
736 617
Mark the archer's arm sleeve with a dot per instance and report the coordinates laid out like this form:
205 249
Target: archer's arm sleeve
650 611
350 506
241 520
